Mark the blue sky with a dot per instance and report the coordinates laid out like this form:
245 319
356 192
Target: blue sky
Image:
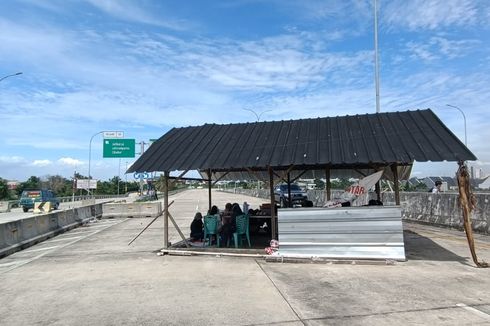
147 66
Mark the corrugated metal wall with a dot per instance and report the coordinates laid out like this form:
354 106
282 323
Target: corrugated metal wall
371 232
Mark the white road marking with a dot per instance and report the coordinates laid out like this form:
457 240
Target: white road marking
64 239
474 310
39 249
9 264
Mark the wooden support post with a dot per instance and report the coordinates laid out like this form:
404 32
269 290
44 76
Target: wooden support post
178 230
377 189
273 204
165 207
208 172
290 202
328 184
394 169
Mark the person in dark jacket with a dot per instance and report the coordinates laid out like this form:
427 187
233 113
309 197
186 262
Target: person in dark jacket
197 232
229 227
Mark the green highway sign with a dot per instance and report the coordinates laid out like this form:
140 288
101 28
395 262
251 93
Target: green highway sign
119 148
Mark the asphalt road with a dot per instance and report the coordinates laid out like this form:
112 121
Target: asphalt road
90 276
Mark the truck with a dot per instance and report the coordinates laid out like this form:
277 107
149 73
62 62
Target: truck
28 198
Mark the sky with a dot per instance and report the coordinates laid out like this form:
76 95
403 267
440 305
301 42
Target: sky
144 67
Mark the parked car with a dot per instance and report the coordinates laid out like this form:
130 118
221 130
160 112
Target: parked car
28 198
298 196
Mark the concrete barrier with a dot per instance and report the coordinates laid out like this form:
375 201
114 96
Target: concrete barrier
42 207
87 202
20 234
151 209
146 209
4 206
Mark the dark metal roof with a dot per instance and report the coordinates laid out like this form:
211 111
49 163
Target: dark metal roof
347 141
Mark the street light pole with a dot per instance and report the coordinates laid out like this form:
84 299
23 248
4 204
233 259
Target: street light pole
90 157
376 61
464 119
5 77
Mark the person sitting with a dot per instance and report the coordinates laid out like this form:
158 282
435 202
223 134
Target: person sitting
226 214
213 210
229 224
197 232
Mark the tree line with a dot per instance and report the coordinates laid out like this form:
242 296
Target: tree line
65 187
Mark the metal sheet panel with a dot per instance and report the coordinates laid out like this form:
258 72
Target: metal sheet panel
371 232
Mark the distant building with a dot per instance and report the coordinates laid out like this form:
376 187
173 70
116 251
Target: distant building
485 185
12 185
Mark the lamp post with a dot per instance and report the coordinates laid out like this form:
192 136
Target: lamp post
464 119
5 77
376 60
90 157
257 115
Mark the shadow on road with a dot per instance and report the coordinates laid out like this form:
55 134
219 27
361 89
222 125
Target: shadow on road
418 247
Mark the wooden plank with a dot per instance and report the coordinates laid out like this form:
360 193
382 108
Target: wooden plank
165 207
178 230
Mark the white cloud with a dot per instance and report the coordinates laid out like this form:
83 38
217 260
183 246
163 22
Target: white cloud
70 161
440 48
12 159
126 10
41 163
429 14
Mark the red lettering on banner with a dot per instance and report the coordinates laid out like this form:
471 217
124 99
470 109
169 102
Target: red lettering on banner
357 190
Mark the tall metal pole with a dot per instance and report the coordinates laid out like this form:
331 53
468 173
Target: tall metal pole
165 207
5 77
90 158
464 119
118 177
126 182
376 62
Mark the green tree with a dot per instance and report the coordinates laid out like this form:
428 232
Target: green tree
319 184
61 186
5 193
32 183
340 183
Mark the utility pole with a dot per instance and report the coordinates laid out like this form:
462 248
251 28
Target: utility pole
126 182
142 150
376 61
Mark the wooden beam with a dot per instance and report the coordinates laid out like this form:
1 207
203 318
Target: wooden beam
256 175
216 181
185 178
361 173
299 175
283 177
394 169
208 172
328 184
136 237
273 205
178 230
178 178
290 202
165 207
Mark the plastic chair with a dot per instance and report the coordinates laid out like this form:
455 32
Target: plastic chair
210 228
242 228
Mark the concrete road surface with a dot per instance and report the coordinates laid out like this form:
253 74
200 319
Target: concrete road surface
17 213
90 276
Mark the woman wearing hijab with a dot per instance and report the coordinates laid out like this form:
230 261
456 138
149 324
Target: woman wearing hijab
197 232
